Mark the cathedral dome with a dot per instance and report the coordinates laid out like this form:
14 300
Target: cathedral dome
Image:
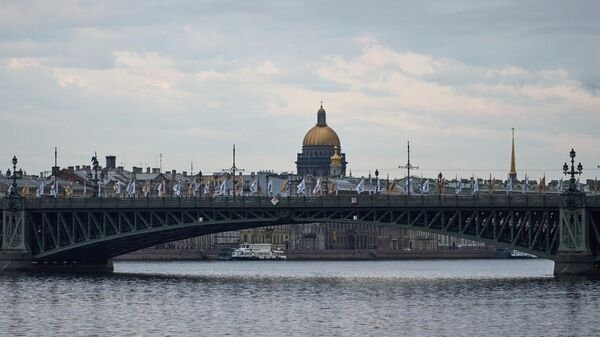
321 134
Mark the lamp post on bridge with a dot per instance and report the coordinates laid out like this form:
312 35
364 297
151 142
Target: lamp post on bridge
572 172
12 227
14 175
95 178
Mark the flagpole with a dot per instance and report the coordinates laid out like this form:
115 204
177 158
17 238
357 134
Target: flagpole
56 168
408 166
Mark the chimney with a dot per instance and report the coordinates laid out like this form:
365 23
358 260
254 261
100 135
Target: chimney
155 170
111 162
147 170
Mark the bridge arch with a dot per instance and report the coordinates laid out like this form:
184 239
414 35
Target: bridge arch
95 230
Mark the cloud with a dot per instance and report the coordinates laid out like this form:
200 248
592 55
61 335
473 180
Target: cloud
171 78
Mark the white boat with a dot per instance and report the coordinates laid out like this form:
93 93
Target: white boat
257 251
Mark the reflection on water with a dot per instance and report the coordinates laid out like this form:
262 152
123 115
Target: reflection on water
410 298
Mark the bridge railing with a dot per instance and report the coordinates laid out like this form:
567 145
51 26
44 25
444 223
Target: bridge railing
483 200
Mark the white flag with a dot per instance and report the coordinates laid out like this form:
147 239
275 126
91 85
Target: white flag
361 186
317 188
254 187
475 186
206 189
177 189
509 184
40 190
53 190
559 186
378 186
578 185
372 189
196 187
525 187
131 188
159 189
424 188
84 188
270 186
223 188
301 188
117 188
458 185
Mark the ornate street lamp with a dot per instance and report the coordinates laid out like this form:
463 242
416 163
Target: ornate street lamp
95 178
14 175
573 171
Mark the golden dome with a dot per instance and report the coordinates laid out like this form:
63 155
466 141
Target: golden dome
321 134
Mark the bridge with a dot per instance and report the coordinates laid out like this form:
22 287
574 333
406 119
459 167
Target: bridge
86 233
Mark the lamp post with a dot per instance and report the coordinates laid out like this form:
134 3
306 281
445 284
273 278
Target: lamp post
572 172
95 178
376 181
14 175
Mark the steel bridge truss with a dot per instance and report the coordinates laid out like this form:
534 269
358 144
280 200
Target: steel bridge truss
84 230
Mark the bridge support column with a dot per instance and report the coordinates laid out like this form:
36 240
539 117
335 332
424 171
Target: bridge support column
574 257
14 253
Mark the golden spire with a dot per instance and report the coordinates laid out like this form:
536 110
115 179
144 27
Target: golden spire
336 159
336 163
513 170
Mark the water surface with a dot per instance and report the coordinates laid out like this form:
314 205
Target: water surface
289 298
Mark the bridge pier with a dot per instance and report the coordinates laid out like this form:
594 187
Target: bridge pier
575 257
15 261
15 253
576 266
22 262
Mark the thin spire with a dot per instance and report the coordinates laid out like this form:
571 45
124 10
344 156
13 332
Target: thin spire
513 170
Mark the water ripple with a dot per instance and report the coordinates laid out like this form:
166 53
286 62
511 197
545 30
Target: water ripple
405 298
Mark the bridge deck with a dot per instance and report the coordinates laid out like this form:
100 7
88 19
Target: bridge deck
497 200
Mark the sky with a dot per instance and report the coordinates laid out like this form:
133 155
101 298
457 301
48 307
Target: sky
188 79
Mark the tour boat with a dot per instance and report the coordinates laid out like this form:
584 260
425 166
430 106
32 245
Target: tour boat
257 251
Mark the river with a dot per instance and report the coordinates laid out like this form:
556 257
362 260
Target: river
291 298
